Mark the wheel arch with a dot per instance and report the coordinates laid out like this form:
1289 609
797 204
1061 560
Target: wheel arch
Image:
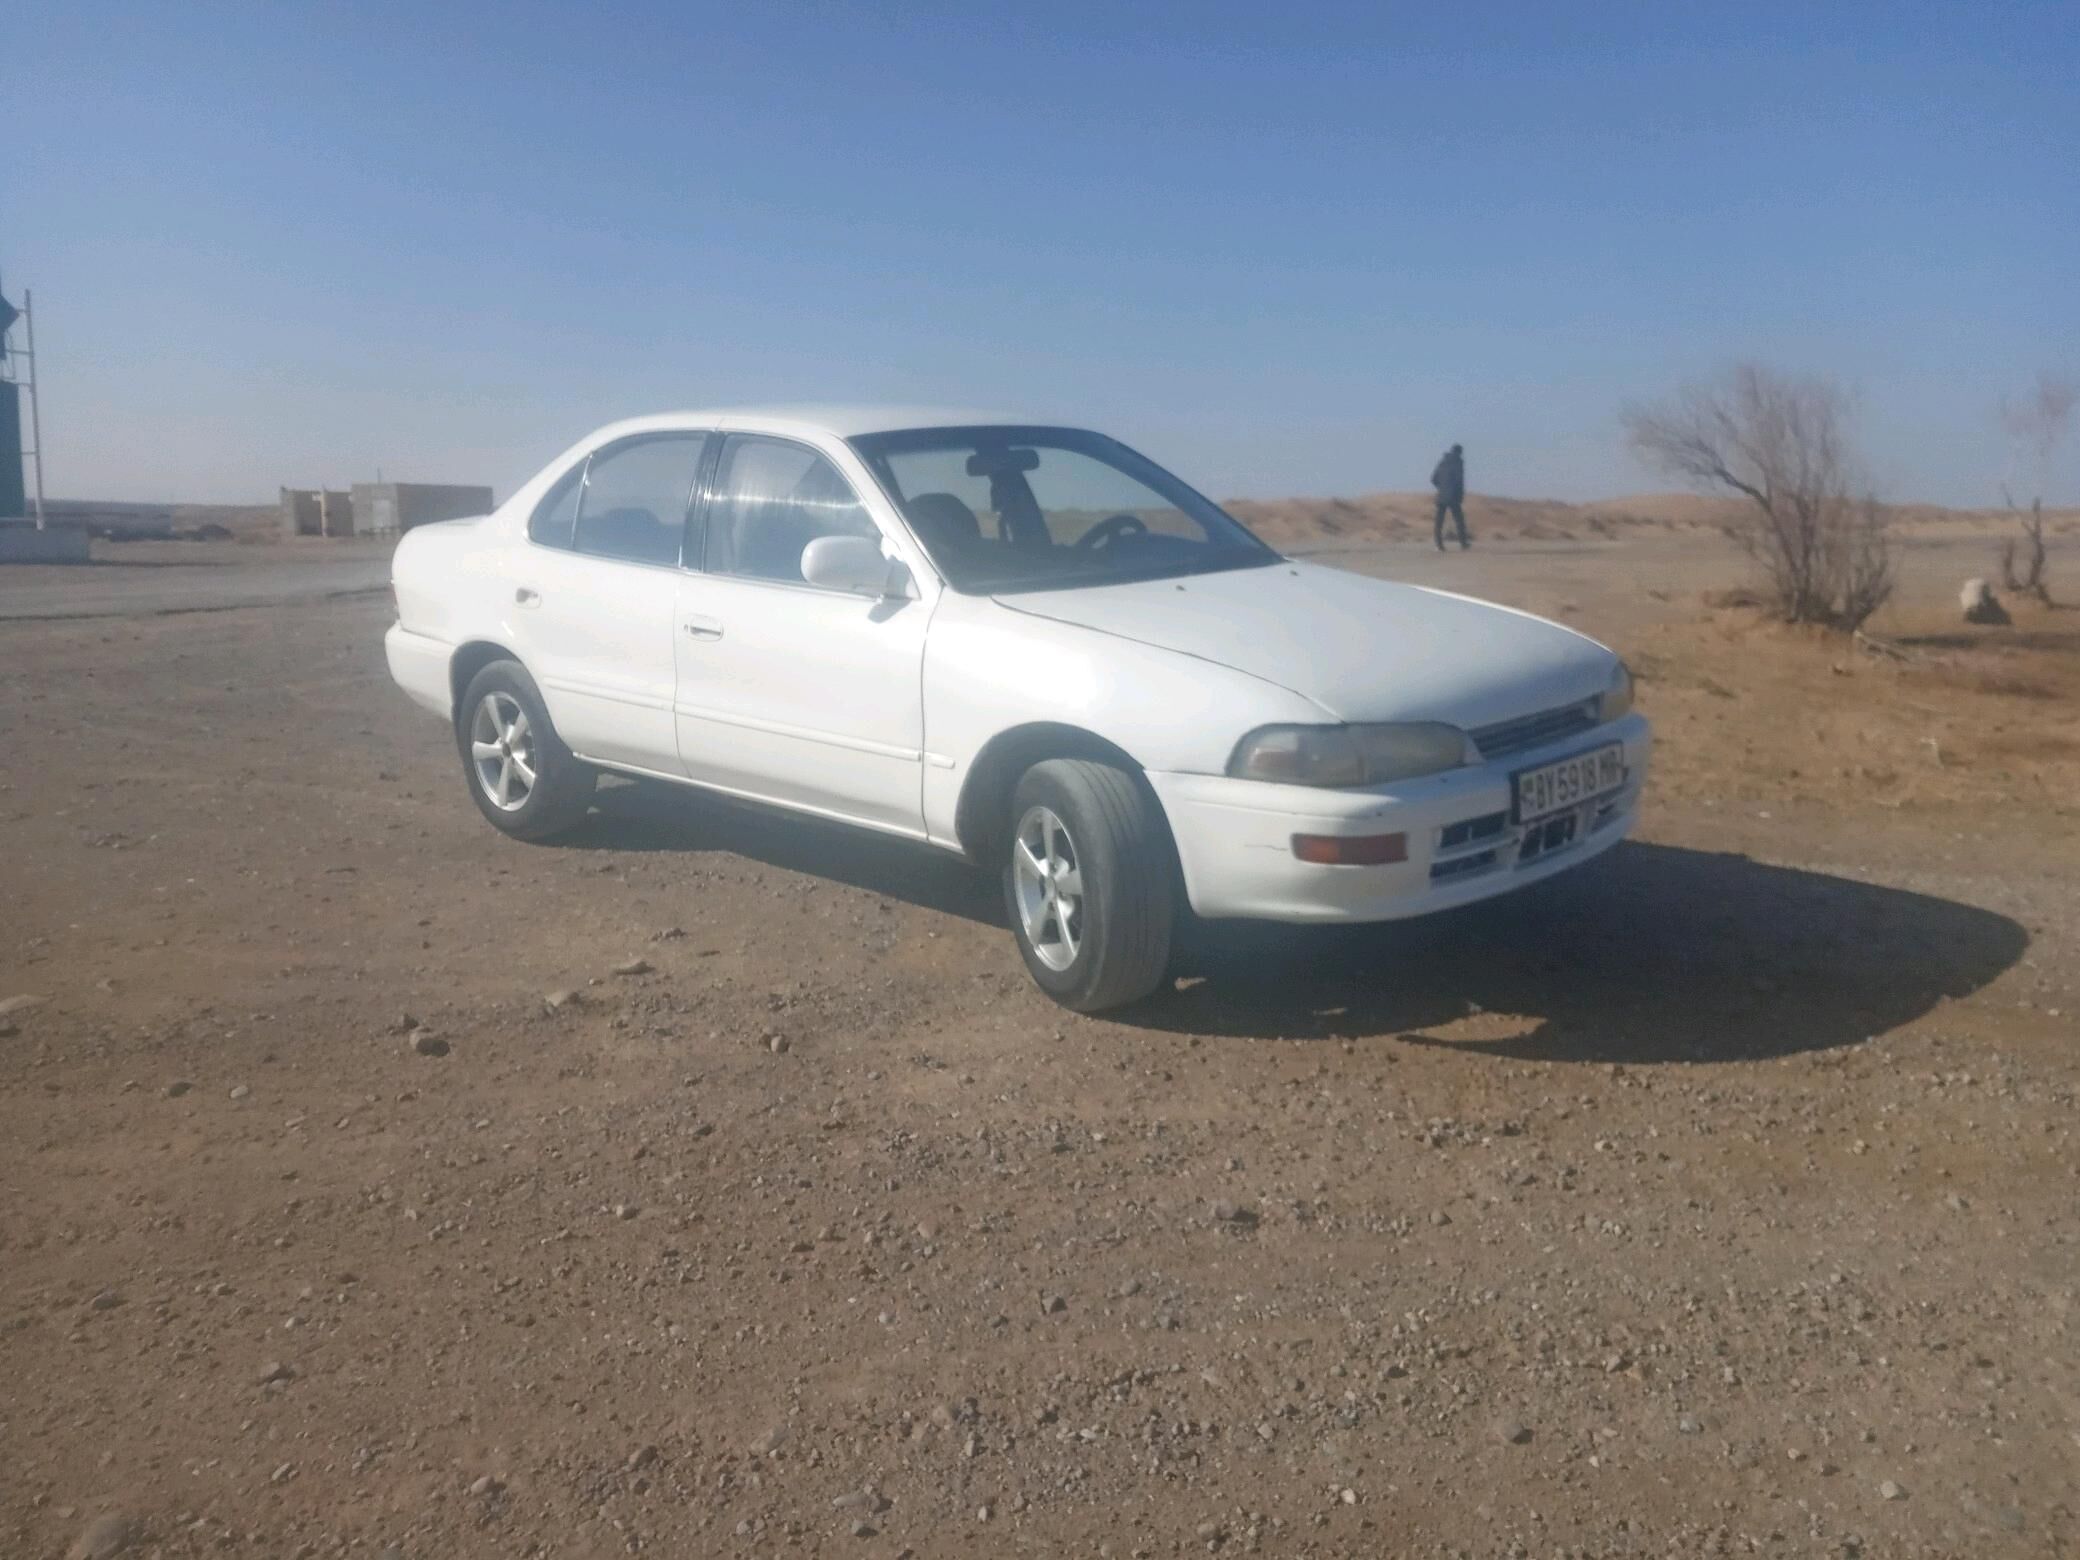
469 659
982 816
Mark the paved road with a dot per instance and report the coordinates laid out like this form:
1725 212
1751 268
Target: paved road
146 579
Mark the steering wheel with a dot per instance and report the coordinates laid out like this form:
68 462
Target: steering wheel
1111 529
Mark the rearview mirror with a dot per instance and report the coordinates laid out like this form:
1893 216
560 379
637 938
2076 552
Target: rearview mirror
854 564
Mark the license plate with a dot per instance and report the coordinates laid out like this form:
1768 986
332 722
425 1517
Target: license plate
1568 782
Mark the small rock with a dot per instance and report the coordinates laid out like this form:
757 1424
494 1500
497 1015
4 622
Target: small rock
854 1500
642 1457
1688 1425
1511 1433
276 1371
107 1535
862 1528
281 1474
557 1001
770 1442
427 1043
1349 1497
1891 1491
9 1006
486 1484
1440 1218
107 1300
177 1088
633 967
623 1210
239 1091
1240 1214
777 1044
1053 1305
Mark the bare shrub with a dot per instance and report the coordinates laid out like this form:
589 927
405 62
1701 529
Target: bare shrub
2039 423
1782 443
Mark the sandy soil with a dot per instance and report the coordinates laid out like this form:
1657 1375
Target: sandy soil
1719 1198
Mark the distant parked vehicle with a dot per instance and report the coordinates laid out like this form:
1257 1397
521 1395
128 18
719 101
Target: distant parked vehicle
1026 644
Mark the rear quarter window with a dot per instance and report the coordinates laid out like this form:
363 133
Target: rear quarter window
555 518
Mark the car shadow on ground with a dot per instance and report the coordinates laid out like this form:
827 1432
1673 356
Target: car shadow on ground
653 816
1652 953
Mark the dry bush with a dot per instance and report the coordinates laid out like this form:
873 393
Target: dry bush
1781 442
2039 424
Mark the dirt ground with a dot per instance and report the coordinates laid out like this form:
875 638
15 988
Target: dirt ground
717 1183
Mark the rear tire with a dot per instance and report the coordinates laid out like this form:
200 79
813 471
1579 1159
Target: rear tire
520 775
1089 883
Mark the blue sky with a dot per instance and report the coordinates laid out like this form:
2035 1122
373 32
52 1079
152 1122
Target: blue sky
1285 249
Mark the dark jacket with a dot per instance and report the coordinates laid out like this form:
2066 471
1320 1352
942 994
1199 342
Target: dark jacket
1450 477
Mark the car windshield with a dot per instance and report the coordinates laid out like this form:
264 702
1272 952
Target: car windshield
1017 508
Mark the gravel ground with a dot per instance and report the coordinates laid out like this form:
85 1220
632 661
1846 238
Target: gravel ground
716 1183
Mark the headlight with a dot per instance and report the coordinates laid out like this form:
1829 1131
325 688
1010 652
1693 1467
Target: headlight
1348 755
1617 698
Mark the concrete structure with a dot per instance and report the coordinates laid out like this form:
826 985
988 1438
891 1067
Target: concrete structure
317 512
388 508
14 496
22 542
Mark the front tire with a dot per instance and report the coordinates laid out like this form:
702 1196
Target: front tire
520 775
1088 883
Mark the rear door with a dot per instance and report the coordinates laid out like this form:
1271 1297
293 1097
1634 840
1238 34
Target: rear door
596 592
789 692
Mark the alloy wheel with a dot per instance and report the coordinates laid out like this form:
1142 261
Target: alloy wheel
502 751
1049 887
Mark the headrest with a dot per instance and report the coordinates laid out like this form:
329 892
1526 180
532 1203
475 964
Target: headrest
943 517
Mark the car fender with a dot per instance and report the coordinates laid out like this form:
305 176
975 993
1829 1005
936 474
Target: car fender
992 674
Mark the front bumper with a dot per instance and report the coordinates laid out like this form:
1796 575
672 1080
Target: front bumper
1235 837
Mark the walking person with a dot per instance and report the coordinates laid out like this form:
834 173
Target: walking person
1450 481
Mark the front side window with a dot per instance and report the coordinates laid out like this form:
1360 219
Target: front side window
635 498
1010 508
772 499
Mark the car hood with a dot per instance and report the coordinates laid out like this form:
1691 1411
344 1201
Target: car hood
1363 649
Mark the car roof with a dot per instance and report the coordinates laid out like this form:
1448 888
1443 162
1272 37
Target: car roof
841 421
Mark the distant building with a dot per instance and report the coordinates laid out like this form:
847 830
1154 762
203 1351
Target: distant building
317 512
387 508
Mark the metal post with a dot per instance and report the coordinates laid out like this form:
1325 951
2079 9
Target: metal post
35 398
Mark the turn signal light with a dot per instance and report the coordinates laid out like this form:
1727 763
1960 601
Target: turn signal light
1351 850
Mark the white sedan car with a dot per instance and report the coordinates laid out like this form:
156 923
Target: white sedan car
1023 643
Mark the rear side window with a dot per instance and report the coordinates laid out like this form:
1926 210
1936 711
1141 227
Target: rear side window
772 499
636 497
555 516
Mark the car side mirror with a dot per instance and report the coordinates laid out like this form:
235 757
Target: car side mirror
855 564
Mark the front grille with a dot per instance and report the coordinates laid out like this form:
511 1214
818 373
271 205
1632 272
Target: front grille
1469 830
1536 730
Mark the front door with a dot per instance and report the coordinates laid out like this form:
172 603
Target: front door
788 692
